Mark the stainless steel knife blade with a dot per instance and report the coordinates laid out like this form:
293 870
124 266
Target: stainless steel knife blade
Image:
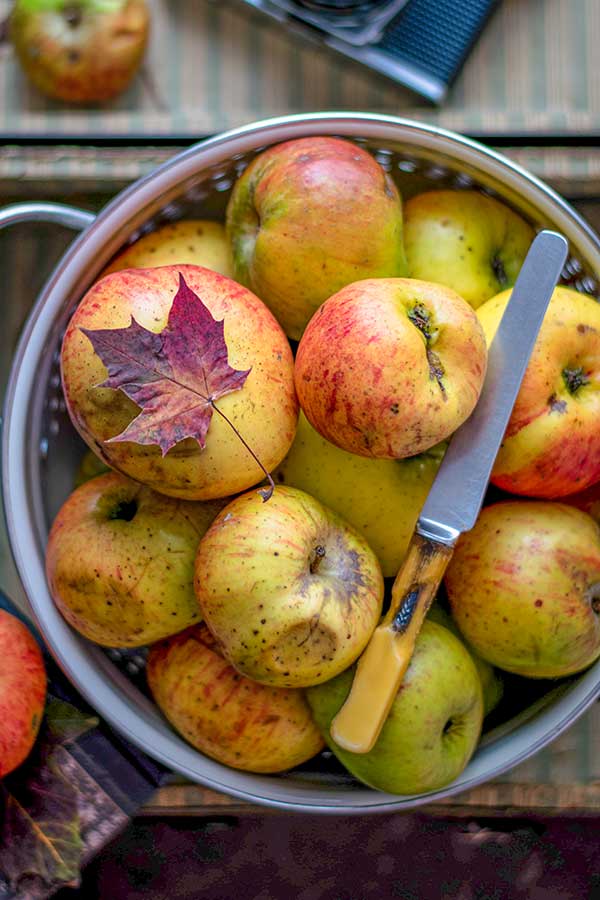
456 495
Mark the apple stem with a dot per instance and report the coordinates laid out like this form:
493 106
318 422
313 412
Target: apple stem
73 15
265 493
318 554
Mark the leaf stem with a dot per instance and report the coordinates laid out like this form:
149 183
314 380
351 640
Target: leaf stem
265 493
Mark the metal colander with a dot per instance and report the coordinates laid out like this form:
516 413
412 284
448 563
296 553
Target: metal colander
41 449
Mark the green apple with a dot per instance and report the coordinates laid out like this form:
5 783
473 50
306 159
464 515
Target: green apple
194 241
491 681
381 498
120 561
308 217
524 588
432 728
291 592
80 51
237 721
465 240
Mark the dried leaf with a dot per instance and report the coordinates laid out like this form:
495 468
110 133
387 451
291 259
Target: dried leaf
175 376
41 837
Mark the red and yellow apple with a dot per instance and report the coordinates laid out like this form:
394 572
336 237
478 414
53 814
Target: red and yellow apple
389 367
232 719
22 691
291 592
308 217
80 51
264 410
463 239
120 561
190 241
552 444
524 588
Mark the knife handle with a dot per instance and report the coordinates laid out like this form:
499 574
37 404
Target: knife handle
381 667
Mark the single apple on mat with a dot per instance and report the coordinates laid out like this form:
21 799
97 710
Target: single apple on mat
552 444
22 691
524 588
197 366
80 51
433 726
465 240
308 217
389 367
291 592
380 498
193 241
232 719
120 561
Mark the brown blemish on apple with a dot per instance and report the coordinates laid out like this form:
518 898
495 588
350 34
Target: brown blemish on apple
556 405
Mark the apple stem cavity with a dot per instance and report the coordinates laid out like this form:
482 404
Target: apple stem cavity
574 379
124 510
317 555
265 493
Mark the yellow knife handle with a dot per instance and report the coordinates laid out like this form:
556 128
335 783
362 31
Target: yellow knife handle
381 667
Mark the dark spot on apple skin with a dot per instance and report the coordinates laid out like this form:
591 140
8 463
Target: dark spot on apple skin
584 329
556 405
539 603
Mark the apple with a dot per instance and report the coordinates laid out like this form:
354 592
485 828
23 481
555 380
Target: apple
291 592
432 728
465 240
389 367
491 681
89 466
380 498
80 51
308 217
194 241
524 588
232 719
22 691
552 444
120 561
264 410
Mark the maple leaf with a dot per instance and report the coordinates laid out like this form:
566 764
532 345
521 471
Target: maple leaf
175 376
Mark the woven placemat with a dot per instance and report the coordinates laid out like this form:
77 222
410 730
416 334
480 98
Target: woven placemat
213 65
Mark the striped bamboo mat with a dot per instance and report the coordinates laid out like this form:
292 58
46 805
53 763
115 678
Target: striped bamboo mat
212 66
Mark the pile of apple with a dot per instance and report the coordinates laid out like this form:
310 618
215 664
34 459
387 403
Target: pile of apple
257 601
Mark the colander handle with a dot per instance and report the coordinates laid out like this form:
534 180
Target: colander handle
34 211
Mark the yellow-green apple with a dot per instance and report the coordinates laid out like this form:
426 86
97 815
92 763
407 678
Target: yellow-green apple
120 561
89 466
233 719
264 410
308 217
432 728
194 241
22 691
465 240
491 681
389 367
291 592
552 444
80 51
524 588
380 498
